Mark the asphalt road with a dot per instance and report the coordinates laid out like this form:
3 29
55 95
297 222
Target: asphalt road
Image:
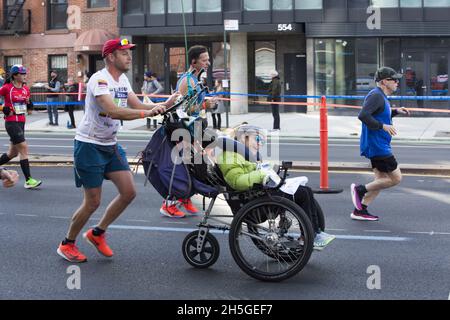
409 245
289 149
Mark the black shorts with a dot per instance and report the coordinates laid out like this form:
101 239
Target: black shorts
386 164
16 131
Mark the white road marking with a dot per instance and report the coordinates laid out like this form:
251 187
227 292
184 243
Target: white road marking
431 233
26 215
442 197
184 230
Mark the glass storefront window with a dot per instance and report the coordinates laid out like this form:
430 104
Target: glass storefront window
436 3
177 62
308 4
155 61
218 61
366 65
439 73
391 54
324 66
256 5
265 63
175 6
411 3
385 3
209 6
345 66
282 4
157 6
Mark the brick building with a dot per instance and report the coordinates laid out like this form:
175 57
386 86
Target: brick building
66 35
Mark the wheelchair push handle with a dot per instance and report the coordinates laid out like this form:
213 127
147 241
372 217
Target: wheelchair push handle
285 166
191 95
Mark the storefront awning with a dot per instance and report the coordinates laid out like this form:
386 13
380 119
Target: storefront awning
93 40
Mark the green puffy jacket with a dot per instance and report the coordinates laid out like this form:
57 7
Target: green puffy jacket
240 174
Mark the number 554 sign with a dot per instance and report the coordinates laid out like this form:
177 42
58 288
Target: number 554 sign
285 27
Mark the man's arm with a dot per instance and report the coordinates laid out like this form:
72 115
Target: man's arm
374 104
111 110
135 103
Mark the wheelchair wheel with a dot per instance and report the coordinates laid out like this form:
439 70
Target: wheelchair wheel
271 239
208 254
320 215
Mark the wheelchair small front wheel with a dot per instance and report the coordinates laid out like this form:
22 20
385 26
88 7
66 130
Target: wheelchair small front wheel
208 254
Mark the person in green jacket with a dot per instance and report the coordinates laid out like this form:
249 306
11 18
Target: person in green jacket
241 175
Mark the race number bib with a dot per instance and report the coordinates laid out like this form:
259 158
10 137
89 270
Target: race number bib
120 99
20 108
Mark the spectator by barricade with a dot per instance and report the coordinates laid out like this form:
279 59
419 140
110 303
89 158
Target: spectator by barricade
71 88
54 86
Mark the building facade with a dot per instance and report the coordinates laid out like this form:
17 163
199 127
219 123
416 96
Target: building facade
330 47
62 35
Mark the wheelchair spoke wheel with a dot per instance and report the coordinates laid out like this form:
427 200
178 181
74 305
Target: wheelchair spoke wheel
271 239
207 256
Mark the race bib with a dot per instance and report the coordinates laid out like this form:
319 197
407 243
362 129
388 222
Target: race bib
20 108
120 99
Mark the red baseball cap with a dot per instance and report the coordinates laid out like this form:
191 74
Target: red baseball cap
116 44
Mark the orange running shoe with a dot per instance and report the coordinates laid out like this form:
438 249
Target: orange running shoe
171 211
188 206
71 253
99 243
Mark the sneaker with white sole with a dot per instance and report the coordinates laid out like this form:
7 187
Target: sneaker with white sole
322 240
32 183
363 215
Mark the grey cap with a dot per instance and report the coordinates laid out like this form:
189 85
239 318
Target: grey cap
385 73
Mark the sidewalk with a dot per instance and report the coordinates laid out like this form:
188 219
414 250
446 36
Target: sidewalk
293 125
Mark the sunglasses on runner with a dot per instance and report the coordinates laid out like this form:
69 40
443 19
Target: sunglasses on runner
392 79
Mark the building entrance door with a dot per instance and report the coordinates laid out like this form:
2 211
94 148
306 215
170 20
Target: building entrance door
295 79
425 73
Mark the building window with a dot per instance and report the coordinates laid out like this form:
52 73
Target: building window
385 3
436 3
208 5
256 5
175 6
265 64
10 61
282 5
57 14
157 6
411 3
132 6
154 61
345 66
59 64
308 4
98 4
218 59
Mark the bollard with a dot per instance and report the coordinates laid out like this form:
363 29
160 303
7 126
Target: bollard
324 182
323 144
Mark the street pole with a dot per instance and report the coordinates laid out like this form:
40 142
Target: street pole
225 71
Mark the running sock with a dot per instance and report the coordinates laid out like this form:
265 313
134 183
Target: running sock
361 190
97 231
4 159
67 241
25 165
364 207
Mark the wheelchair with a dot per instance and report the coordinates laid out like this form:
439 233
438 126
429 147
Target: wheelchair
270 237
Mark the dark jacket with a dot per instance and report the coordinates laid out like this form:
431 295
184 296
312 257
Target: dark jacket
275 88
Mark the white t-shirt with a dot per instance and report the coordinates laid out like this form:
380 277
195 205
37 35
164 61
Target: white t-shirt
94 128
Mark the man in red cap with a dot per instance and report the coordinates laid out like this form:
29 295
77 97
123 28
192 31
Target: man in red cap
97 155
